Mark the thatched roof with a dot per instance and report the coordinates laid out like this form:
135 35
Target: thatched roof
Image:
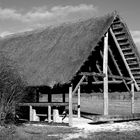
55 54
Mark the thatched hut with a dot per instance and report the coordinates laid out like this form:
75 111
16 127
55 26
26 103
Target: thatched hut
58 56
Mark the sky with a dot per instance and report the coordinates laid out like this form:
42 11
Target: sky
22 15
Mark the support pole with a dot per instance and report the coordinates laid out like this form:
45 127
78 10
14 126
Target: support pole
79 114
37 96
63 98
132 97
49 113
105 65
30 113
70 106
50 97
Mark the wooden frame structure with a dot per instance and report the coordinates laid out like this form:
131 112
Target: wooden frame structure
105 76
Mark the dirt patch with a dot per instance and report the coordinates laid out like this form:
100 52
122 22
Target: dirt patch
86 129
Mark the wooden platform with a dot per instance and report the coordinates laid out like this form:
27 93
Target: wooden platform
113 118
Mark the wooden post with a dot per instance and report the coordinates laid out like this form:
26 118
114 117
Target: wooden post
79 114
70 106
132 97
63 98
37 96
56 117
30 113
105 65
49 113
50 97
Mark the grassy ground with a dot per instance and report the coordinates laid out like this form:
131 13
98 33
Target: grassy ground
35 132
61 133
112 136
94 105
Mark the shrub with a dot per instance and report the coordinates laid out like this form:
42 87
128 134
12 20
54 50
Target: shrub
12 87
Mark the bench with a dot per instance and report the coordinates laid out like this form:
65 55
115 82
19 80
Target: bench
43 104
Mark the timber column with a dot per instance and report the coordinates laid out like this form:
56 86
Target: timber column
132 97
105 65
70 106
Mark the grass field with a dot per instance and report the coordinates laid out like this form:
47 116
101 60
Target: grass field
46 132
121 106
30 132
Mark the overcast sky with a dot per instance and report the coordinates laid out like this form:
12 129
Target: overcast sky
21 15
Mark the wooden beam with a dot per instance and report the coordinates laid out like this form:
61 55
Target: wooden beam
103 75
100 71
105 65
44 104
92 73
79 111
49 113
130 82
121 53
77 86
101 82
119 77
132 98
117 67
98 68
70 106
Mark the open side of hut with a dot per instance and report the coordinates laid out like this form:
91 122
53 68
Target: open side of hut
97 54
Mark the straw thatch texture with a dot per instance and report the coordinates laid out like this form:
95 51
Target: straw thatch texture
55 54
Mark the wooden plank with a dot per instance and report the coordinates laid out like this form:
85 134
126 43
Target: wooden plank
111 118
42 115
44 104
70 106
132 98
79 110
117 67
105 66
126 64
49 113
